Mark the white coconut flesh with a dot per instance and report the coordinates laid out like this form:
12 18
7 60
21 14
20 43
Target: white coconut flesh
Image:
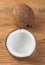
21 43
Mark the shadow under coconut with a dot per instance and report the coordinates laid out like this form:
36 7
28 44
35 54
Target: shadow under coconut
29 58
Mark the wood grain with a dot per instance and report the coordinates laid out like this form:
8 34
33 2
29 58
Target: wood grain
38 29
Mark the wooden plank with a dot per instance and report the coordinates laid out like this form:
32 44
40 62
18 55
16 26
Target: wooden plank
38 29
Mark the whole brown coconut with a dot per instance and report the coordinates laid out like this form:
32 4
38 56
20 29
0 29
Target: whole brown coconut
24 16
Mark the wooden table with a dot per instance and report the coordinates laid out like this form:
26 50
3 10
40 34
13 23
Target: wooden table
38 29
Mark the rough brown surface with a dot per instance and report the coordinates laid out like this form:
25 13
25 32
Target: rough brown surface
23 15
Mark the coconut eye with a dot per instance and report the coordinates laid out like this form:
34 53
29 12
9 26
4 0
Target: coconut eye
28 25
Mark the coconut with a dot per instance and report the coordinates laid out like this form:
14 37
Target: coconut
23 15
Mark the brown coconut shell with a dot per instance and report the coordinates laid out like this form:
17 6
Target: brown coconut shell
23 15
